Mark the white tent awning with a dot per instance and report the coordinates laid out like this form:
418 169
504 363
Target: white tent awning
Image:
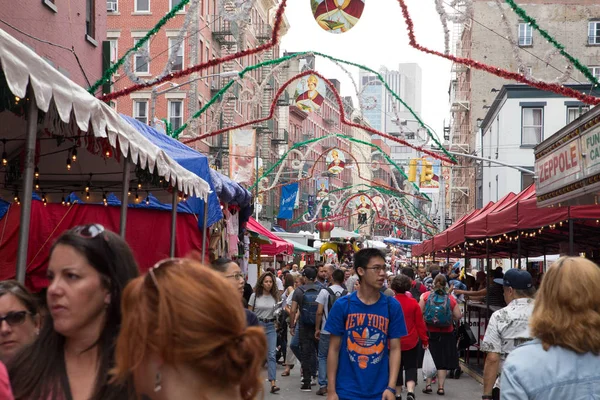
22 66
342 233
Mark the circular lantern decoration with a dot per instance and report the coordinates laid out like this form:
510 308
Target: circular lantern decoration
324 228
337 16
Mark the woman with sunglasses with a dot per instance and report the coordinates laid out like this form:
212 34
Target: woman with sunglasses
185 337
19 319
87 271
233 273
263 302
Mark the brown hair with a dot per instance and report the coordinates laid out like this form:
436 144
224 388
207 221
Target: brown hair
21 293
183 296
440 282
567 306
401 284
260 291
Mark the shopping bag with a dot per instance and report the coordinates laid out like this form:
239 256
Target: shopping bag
429 369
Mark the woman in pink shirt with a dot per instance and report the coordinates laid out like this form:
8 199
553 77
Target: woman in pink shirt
5 392
415 325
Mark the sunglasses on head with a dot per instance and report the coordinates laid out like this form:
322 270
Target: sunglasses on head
162 263
14 317
89 231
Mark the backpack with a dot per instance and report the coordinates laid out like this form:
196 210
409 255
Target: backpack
416 291
333 297
437 310
308 309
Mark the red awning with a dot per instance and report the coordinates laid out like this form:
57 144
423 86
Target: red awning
476 227
506 219
456 236
278 245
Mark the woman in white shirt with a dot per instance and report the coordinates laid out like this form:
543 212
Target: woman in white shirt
263 302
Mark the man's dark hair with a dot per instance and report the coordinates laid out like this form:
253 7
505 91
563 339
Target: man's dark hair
401 283
498 273
408 271
271 270
434 273
338 276
362 258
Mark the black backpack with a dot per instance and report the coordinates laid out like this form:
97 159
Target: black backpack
308 308
333 297
416 291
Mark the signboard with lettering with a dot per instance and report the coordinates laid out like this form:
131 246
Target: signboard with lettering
567 164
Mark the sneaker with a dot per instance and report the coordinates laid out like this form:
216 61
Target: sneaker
313 381
410 396
305 387
322 391
398 397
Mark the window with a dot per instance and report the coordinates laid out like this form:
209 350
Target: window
595 71
532 128
525 34
175 114
178 60
575 112
112 5
175 3
594 32
140 111
114 50
142 5
141 62
90 20
527 179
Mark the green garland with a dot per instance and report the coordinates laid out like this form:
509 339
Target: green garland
531 21
111 71
280 60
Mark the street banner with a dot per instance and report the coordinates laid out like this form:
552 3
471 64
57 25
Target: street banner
242 156
288 199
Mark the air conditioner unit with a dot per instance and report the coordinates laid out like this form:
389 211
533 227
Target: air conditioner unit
111 6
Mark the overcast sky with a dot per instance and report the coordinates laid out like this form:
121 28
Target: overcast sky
379 38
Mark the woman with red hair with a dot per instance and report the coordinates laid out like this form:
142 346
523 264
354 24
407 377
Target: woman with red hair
184 336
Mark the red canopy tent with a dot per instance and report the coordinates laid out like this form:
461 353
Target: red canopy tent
277 246
505 220
476 226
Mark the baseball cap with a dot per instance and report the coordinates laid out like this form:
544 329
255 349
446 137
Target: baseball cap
310 273
516 278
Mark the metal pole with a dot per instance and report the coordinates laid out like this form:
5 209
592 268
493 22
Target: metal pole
125 196
447 256
173 221
571 244
204 227
28 167
489 277
519 250
544 266
256 176
442 224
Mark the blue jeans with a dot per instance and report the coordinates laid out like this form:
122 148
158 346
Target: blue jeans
295 342
269 328
323 350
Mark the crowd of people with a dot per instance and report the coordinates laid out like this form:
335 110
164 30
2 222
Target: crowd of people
184 330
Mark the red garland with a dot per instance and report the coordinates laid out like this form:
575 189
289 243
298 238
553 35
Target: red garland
342 118
559 89
208 64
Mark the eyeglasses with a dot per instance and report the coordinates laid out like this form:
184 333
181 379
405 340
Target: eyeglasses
377 268
161 263
14 318
89 231
236 276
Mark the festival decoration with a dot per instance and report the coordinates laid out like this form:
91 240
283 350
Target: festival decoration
328 246
322 188
336 161
337 16
310 94
324 228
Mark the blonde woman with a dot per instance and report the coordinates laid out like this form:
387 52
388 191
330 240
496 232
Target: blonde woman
563 361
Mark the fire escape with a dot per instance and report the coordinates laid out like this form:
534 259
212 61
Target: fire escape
462 185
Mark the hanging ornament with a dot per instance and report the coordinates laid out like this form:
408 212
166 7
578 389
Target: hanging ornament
310 93
337 16
324 228
336 161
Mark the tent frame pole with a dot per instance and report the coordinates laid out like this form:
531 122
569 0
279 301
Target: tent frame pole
571 233
447 256
204 227
173 221
125 196
28 167
519 250
489 277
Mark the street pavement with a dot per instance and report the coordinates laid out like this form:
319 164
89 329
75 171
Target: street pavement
465 388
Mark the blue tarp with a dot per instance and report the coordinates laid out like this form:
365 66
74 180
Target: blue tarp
4 206
230 192
400 242
191 160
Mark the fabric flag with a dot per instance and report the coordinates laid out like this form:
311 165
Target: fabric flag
288 199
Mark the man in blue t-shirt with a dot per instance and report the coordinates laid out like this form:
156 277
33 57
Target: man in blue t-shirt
365 327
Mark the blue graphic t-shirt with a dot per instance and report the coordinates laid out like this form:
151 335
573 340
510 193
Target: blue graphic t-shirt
363 367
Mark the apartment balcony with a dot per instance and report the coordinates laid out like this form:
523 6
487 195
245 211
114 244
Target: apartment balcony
264 32
461 101
280 136
222 30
